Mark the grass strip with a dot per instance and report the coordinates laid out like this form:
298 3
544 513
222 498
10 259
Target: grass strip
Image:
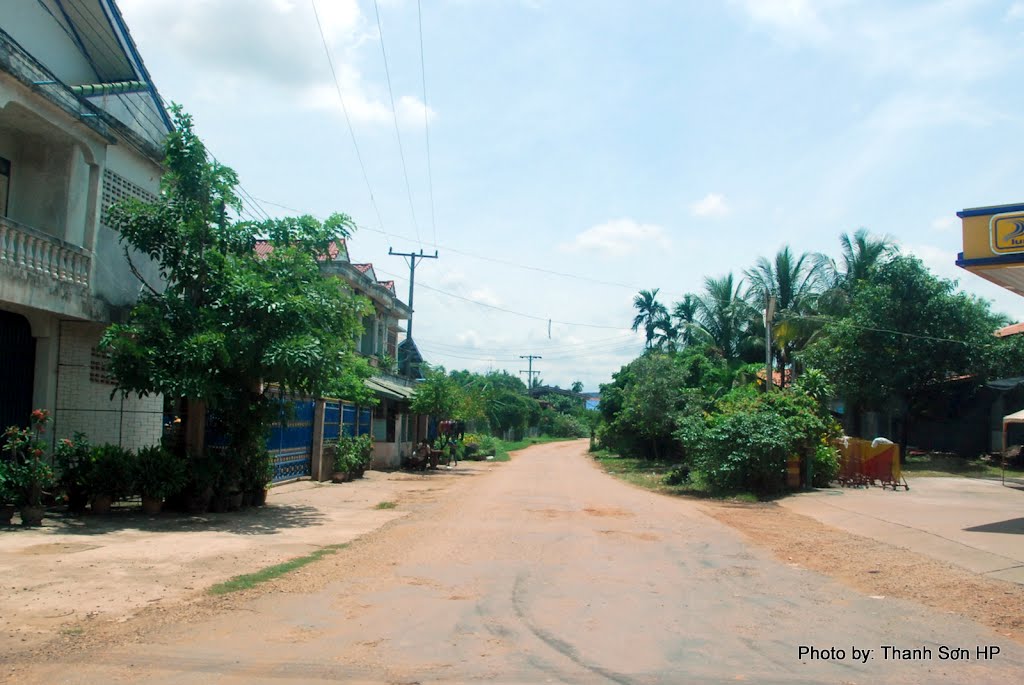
386 505
650 474
249 580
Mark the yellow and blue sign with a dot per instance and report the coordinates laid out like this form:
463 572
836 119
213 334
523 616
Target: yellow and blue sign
1006 233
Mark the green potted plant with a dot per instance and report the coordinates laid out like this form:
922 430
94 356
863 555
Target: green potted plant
257 474
158 474
363 451
73 457
7 492
28 470
200 475
110 476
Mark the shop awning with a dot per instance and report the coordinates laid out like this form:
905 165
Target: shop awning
390 390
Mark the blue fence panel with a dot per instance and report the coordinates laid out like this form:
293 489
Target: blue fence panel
332 420
291 442
365 420
348 420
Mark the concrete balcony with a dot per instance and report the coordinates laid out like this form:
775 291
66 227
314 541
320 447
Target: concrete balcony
40 271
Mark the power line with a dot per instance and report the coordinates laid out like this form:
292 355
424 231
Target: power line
348 120
394 115
426 121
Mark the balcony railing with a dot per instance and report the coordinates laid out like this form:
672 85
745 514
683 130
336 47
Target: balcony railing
34 252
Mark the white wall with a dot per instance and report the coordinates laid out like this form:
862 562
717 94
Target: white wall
41 35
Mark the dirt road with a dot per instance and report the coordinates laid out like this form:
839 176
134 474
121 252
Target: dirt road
545 570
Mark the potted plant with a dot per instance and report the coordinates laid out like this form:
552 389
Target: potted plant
28 469
345 461
158 474
363 452
200 475
8 492
110 476
257 473
73 457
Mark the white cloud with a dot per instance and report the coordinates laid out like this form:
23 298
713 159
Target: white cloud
458 283
239 46
1015 12
618 237
712 204
797 18
946 224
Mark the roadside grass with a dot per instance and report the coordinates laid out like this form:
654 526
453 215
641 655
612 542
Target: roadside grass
651 474
249 580
506 446
939 465
386 505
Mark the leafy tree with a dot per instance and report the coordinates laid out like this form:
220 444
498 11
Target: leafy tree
439 395
577 386
225 324
650 314
905 334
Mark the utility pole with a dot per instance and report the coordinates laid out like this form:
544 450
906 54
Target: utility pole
530 357
413 256
769 314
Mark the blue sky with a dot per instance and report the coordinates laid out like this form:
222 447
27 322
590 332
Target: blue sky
646 143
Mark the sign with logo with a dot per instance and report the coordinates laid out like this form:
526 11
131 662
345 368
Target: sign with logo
1006 233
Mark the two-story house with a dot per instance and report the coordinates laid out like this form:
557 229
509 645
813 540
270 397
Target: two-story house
393 427
81 127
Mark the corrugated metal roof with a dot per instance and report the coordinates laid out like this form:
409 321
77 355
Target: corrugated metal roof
389 389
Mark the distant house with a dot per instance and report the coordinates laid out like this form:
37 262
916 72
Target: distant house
394 428
81 127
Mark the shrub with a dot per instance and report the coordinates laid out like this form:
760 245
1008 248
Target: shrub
112 472
746 444
477 446
73 458
825 465
158 473
562 425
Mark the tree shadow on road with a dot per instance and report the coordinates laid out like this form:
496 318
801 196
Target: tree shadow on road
265 520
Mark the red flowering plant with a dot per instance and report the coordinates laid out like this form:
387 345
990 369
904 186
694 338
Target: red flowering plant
30 472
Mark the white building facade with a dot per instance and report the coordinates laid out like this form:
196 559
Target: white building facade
81 127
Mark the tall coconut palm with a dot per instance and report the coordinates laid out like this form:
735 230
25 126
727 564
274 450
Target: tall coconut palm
649 313
725 316
688 329
862 253
795 282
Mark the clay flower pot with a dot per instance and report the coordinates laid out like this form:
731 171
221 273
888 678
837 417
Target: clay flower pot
151 506
32 515
101 504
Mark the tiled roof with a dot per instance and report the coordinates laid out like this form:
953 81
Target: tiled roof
336 247
1012 329
363 267
389 285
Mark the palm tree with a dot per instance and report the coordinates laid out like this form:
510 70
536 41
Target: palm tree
688 329
649 313
795 283
861 254
725 316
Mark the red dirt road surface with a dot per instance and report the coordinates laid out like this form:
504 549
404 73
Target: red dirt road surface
543 570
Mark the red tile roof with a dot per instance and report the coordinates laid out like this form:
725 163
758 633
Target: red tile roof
363 268
1012 329
336 247
389 285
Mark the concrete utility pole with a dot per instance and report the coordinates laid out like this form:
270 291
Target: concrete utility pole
769 314
530 357
413 256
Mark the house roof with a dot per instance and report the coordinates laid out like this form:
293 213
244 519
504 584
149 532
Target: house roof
389 285
1012 329
335 250
389 389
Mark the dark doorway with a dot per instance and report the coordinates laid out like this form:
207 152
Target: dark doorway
17 369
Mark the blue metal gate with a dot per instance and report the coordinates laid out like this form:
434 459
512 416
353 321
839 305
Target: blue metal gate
291 442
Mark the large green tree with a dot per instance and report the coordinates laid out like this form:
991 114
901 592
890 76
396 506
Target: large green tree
649 313
224 324
905 334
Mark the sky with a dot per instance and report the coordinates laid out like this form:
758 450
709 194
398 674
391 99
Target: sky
580 150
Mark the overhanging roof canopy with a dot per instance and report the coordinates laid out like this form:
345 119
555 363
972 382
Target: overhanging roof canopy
390 390
993 240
